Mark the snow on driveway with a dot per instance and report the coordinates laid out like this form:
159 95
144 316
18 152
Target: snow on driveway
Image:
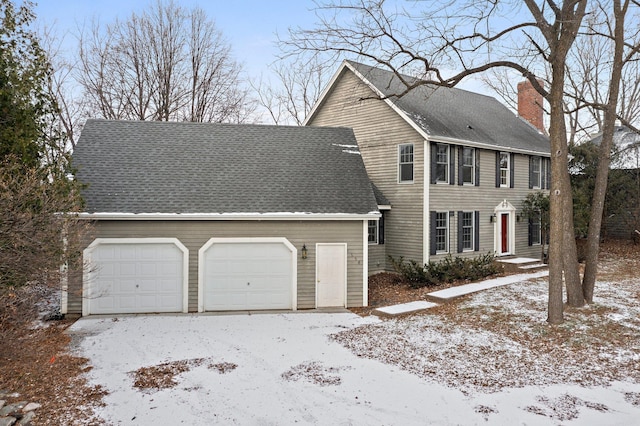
289 371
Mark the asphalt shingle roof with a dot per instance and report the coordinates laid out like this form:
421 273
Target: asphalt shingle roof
456 113
171 167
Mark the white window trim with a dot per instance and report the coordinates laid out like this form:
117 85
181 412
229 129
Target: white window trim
507 184
473 232
447 167
539 222
447 230
538 184
377 233
413 163
473 166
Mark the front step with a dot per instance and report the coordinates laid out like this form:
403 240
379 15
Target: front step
522 264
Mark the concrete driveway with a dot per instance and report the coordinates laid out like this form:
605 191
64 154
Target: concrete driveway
281 369
278 369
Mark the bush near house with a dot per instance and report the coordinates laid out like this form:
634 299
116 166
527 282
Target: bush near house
447 270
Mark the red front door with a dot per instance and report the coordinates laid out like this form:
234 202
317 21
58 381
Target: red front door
504 232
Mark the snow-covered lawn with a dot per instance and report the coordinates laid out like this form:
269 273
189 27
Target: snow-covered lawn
489 358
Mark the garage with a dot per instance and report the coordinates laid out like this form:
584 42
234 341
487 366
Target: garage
126 276
247 274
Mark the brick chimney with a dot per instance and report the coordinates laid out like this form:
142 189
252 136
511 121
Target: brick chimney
530 104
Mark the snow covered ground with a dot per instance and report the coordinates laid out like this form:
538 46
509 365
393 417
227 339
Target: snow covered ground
437 368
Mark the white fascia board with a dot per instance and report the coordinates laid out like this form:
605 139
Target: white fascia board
229 216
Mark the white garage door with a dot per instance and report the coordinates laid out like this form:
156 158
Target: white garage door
135 277
246 275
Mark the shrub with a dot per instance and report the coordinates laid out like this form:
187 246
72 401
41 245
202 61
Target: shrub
447 270
413 272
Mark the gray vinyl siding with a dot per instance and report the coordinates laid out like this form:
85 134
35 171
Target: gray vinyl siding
194 234
379 130
377 258
484 198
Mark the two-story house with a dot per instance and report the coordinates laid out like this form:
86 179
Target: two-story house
451 167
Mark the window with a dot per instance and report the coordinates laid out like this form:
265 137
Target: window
467 231
376 231
373 232
405 163
442 163
535 172
504 169
468 166
442 232
535 230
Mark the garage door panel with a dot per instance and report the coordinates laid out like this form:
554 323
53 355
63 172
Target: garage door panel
244 276
136 278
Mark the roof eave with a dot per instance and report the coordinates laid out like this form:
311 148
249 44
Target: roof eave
229 216
473 144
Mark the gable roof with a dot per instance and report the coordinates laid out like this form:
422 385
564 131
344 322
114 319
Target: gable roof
449 114
220 169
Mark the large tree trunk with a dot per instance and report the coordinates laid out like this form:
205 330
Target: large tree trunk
556 203
602 174
573 283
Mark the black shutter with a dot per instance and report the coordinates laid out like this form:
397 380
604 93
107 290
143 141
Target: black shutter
460 153
547 174
498 169
476 152
476 230
460 248
432 232
530 243
512 169
531 184
381 228
452 165
433 162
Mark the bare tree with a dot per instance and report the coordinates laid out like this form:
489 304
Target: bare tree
470 37
589 67
166 63
67 120
623 52
300 85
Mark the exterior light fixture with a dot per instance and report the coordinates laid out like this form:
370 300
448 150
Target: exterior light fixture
492 218
304 251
